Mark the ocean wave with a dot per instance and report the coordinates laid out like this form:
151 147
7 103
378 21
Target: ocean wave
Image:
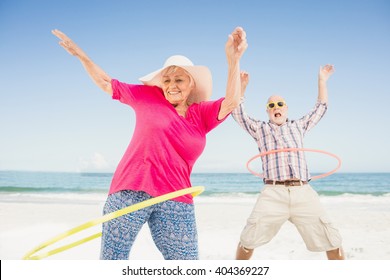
17 189
99 198
94 174
54 197
338 193
245 198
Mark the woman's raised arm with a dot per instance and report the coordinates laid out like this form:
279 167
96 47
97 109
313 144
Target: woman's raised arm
97 74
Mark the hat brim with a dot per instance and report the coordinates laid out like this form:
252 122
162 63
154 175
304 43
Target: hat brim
200 74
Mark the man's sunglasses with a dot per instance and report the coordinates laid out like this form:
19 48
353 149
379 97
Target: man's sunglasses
278 104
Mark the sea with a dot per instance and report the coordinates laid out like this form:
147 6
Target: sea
25 184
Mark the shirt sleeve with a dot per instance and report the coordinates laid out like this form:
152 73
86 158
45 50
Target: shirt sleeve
210 111
125 93
248 123
308 121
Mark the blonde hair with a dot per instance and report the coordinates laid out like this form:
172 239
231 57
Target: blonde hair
173 69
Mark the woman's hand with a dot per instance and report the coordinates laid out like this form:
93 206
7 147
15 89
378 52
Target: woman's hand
236 44
234 48
97 74
70 46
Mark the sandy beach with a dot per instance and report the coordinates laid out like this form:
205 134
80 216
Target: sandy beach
364 222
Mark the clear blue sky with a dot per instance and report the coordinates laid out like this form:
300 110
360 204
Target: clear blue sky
53 118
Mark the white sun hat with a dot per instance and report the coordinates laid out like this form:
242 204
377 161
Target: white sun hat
200 74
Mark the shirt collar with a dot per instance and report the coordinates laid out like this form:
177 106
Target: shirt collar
287 120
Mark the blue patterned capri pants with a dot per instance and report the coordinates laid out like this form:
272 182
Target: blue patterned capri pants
172 225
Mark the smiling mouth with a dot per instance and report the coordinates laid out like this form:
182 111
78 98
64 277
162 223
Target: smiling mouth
173 92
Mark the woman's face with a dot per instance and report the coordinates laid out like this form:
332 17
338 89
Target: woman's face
177 85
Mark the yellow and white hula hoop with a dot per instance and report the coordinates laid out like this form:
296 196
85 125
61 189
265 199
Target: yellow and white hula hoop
132 208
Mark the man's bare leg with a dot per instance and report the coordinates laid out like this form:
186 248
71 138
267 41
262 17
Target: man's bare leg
243 253
336 254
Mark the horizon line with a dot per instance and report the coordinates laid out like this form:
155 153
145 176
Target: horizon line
198 172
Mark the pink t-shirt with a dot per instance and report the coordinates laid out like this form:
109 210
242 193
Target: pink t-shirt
165 145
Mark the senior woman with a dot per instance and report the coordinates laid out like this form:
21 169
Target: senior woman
173 116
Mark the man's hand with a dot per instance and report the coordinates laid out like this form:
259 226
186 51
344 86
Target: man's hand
325 72
244 82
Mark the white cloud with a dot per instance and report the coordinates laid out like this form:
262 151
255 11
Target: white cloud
95 163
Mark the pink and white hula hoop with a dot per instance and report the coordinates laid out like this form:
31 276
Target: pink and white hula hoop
295 150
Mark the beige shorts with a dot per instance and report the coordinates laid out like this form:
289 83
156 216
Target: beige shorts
298 204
